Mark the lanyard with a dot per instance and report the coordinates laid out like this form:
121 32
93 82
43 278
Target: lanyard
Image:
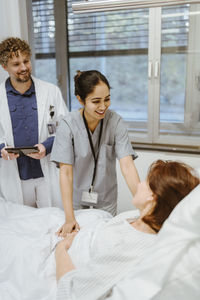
92 148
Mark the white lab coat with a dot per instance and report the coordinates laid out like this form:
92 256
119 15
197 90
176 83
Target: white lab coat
10 185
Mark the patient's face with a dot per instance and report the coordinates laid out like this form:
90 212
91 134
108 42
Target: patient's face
143 196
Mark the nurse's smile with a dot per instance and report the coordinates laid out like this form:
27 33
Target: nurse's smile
97 103
101 112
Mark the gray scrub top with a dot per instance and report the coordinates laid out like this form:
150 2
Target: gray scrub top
71 146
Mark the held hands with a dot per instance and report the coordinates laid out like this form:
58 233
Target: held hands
8 156
68 227
67 242
40 154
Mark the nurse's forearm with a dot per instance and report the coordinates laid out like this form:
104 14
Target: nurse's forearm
63 262
130 173
66 185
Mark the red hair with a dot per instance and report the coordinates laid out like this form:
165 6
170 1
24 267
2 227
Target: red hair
170 182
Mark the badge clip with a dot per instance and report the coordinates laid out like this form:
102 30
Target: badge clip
51 111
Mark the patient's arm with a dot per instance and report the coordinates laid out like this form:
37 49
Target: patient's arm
63 261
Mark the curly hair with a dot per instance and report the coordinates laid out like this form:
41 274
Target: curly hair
170 182
11 47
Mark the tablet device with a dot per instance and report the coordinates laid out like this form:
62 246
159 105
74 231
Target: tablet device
22 150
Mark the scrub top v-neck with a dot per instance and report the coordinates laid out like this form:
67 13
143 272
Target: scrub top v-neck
71 146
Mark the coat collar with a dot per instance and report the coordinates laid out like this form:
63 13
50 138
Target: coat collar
10 88
41 91
5 123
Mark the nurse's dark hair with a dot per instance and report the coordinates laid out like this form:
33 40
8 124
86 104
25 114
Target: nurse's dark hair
11 47
86 81
170 182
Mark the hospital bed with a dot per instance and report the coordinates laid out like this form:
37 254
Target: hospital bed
171 270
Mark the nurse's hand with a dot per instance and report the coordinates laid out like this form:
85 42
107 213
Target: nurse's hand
8 156
40 154
68 227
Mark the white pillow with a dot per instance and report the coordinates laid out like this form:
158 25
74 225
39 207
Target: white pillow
184 224
197 171
184 281
174 255
184 219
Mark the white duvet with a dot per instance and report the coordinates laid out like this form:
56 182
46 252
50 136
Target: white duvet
171 269
27 240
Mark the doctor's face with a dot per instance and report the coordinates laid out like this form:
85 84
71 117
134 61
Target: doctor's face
97 102
19 68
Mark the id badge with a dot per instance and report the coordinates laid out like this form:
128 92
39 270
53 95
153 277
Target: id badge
89 197
51 128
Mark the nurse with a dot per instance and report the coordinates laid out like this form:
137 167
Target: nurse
86 146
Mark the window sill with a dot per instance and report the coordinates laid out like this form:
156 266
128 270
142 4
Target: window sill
168 148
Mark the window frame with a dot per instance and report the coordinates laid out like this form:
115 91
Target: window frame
151 135
181 138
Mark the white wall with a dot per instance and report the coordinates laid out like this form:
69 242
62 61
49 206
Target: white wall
144 160
13 22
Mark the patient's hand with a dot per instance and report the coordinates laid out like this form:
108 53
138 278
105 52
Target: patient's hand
67 242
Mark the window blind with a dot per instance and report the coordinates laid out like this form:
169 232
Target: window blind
175 26
44 27
106 32
122 30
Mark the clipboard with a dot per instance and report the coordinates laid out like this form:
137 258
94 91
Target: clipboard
22 150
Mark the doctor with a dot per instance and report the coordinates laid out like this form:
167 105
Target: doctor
29 113
86 146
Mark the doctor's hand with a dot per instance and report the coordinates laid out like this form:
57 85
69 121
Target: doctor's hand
40 154
8 156
68 227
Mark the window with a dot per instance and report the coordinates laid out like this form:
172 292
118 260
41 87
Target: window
179 94
151 57
44 40
105 41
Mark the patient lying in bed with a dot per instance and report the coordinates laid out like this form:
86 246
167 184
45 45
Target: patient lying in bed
123 242
102 252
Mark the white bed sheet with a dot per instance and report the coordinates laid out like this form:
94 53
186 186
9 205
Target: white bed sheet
27 237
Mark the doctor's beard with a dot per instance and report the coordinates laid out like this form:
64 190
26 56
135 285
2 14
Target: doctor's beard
24 77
